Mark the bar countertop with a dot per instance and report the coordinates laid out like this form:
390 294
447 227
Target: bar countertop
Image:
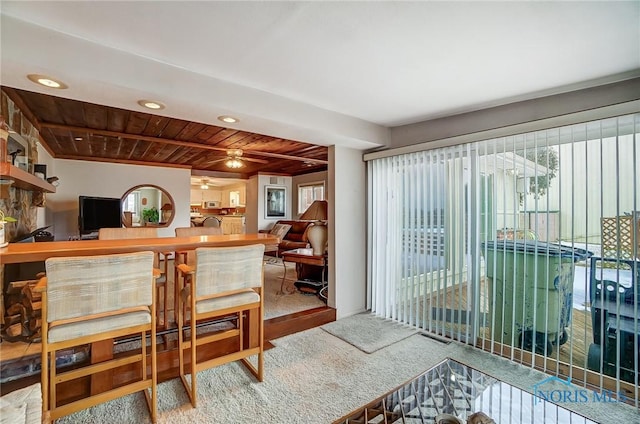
32 252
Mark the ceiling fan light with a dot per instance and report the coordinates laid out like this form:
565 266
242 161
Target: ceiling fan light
233 163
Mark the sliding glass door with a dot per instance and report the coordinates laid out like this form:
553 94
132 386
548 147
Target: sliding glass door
526 246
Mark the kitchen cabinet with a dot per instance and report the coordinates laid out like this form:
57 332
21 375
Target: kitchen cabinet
233 225
212 195
198 196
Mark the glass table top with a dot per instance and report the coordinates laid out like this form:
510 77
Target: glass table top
451 388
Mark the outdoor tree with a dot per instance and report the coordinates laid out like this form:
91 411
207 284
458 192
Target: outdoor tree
548 158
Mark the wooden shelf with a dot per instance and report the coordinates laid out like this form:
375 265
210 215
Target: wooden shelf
24 180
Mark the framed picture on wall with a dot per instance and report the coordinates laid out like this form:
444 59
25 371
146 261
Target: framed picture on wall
275 199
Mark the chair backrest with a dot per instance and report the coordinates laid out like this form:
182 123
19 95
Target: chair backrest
130 233
211 221
87 285
197 231
127 233
221 269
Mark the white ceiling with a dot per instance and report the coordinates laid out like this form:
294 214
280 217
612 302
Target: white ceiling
323 72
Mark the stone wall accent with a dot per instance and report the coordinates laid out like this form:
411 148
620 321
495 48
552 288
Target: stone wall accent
20 203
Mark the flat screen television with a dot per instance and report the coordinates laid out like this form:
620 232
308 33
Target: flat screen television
99 212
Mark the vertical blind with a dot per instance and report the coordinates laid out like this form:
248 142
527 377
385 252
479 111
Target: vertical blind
526 246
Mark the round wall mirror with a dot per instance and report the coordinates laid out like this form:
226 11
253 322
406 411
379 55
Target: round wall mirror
147 205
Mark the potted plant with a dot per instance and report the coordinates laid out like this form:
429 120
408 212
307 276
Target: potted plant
4 219
150 215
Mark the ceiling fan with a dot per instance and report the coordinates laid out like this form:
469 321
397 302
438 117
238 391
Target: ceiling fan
235 159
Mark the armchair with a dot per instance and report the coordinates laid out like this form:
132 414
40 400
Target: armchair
297 236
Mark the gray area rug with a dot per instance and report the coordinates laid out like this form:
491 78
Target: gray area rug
368 332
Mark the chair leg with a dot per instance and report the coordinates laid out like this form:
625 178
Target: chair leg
44 381
194 394
176 293
180 324
154 375
261 366
52 380
165 304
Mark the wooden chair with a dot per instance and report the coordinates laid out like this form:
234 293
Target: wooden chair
211 221
90 299
161 263
187 257
226 282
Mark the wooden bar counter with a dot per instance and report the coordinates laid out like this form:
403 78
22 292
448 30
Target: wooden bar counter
41 251
32 252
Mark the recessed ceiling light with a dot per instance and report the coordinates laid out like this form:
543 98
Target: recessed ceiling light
151 104
47 81
77 138
228 119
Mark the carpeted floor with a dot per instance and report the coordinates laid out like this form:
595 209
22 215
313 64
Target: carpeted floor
315 377
275 304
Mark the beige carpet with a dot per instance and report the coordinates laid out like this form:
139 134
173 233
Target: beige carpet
314 377
275 304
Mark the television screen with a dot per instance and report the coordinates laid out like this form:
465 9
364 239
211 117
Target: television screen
99 212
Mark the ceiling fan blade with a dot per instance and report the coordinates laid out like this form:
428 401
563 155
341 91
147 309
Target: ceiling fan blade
253 160
211 162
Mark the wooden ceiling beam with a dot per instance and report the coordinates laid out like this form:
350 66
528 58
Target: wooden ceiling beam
116 134
125 161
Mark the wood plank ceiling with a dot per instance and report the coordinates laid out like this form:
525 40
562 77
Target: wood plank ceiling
72 129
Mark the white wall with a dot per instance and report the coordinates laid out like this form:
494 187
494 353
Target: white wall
347 231
111 180
44 216
516 113
274 181
251 209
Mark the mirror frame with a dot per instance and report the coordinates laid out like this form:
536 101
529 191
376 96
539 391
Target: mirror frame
165 192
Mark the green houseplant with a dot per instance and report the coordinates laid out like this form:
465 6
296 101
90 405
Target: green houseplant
150 215
4 219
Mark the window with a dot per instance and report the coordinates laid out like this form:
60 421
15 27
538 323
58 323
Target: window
307 193
132 204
